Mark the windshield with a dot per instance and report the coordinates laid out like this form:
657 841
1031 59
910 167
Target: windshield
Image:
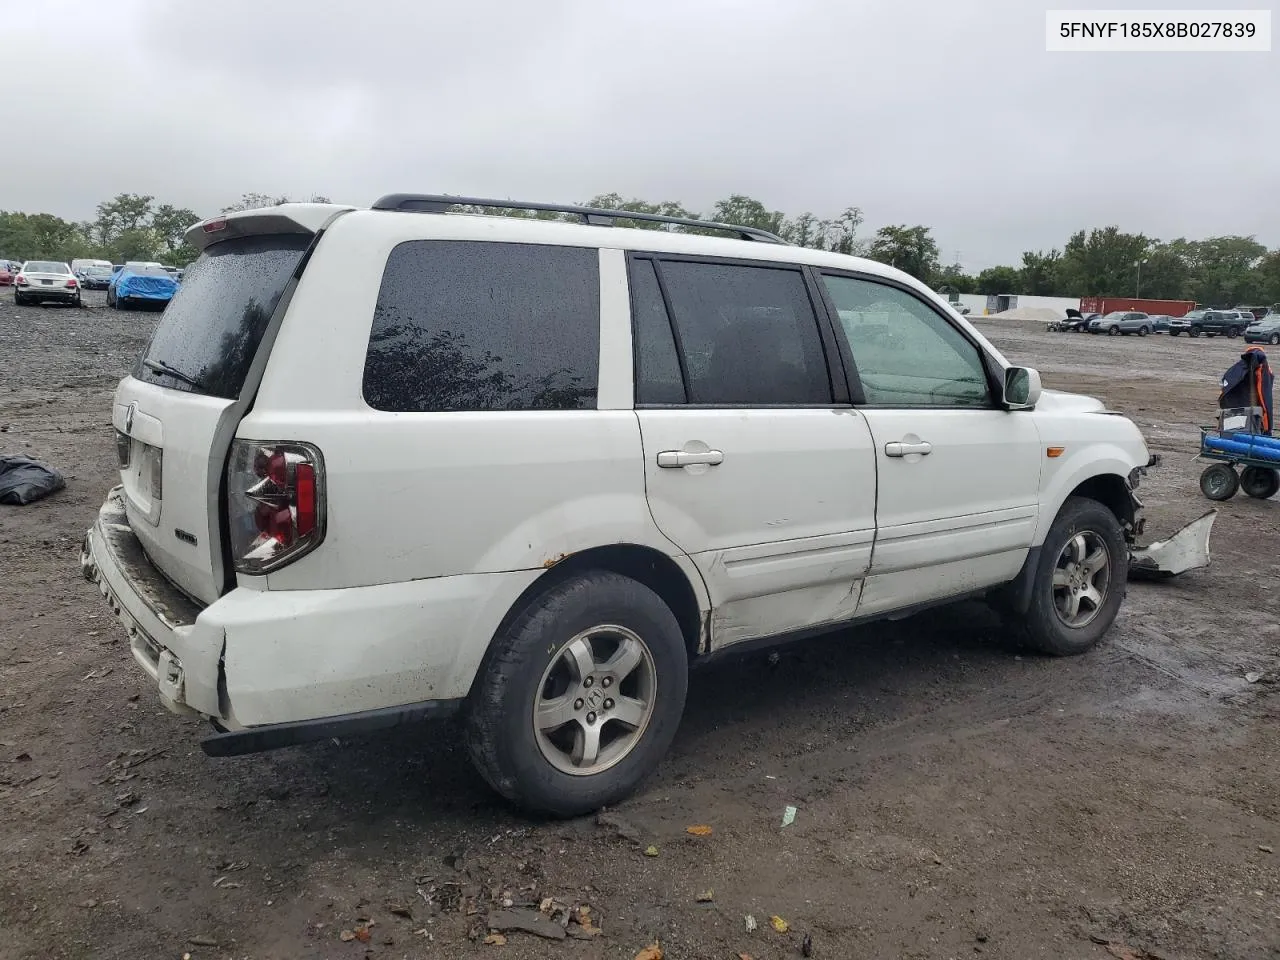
146 271
1116 315
97 271
1193 315
46 266
211 329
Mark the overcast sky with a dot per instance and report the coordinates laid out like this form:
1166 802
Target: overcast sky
943 112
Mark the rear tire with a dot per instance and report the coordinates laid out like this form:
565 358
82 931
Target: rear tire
553 659
1274 339
1219 482
1143 331
1080 581
1196 331
1233 332
1261 483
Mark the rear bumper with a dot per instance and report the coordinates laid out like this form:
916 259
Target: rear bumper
41 292
294 665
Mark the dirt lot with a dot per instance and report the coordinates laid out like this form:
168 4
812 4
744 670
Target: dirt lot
956 797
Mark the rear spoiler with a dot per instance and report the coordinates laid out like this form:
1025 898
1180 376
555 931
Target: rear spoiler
303 218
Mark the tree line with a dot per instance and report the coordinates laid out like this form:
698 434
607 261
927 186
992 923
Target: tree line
129 226
1105 261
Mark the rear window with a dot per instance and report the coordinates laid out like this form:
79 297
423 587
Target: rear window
211 328
46 266
470 325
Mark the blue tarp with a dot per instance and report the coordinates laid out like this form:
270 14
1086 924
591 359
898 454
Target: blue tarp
140 287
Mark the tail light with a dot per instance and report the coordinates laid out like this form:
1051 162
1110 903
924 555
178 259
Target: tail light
275 500
71 283
21 281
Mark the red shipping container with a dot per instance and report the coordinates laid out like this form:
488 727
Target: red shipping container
1156 308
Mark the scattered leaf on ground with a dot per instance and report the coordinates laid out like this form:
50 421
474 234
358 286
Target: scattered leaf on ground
698 830
779 924
1266 848
744 956
201 940
362 933
706 896
1253 677
1123 952
750 922
651 851
346 936
651 952
495 940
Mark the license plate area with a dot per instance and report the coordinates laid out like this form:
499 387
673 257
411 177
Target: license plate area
142 476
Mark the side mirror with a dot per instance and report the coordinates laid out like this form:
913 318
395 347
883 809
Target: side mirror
1021 388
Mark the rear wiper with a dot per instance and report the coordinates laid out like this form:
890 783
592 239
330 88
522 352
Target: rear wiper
161 367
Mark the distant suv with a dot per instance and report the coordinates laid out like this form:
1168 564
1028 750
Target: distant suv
1211 322
1122 322
1264 330
386 464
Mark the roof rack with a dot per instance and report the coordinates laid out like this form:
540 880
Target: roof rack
434 203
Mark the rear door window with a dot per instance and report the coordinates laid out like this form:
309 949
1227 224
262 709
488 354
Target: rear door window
742 336
464 325
212 327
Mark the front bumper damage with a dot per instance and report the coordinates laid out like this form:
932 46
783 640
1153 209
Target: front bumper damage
1187 549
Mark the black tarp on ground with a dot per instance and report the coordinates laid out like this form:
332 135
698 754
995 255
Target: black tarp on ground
23 480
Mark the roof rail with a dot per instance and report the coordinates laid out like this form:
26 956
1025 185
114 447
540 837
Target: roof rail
434 203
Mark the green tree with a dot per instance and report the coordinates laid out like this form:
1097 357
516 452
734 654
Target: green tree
954 278
743 211
1039 274
1165 271
1224 271
1103 262
170 223
911 249
1269 277
995 280
124 211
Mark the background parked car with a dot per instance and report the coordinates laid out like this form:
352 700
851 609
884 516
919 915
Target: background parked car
6 275
1160 323
141 283
41 280
1122 321
1266 330
1208 322
95 278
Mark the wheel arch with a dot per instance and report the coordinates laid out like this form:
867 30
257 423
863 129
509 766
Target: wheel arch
1109 489
674 579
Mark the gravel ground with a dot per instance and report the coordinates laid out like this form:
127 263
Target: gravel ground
956 796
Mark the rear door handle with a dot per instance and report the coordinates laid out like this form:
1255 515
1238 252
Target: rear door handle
684 458
900 448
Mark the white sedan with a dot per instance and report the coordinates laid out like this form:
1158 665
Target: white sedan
40 280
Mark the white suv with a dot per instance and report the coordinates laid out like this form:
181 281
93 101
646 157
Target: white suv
379 465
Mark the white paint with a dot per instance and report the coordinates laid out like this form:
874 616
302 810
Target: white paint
437 522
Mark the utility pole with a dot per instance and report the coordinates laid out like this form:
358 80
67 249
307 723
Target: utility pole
1137 291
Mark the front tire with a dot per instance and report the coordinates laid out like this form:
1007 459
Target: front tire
1080 581
1114 331
1196 331
580 695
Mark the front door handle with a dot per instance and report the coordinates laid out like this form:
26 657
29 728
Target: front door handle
900 448
684 458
